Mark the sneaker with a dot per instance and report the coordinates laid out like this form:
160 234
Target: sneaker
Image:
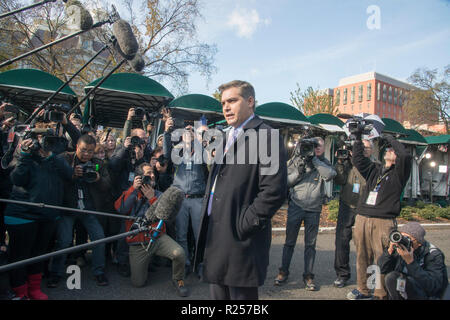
101 280
53 281
309 285
181 288
356 295
124 270
340 283
281 278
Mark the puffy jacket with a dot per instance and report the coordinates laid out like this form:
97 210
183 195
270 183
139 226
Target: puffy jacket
132 202
38 180
307 189
428 268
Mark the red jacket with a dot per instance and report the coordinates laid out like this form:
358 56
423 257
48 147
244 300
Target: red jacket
121 207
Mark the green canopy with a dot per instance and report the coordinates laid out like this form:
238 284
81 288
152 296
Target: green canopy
280 114
442 139
111 101
29 87
392 126
413 137
327 121
193 106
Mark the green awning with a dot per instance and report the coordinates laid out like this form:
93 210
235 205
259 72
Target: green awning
120 92
413 137
29 87
193 106
442 139
327 121
392 126
280 114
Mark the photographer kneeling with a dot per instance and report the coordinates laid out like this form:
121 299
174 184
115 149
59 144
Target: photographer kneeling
90 190
307 172
414 268
135 202
38 177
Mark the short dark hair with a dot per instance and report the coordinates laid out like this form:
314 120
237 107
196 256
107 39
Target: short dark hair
140 169
245 88
87 139
156 150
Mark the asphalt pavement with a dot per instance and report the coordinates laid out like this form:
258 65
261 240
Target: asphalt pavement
159 286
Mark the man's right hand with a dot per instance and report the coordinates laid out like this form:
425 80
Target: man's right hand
169 124
137 183
25 145
131 113
78 171
127 142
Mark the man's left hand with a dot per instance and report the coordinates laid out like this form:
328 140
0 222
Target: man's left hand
406 255
148 191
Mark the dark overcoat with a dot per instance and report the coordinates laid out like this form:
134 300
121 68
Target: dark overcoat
234 241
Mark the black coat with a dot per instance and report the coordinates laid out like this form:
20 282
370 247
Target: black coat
234 241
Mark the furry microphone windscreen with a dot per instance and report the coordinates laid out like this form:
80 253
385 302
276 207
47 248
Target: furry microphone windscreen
75 8
167 206
137 63
126 45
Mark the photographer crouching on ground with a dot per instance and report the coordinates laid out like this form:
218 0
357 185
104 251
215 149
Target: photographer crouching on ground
414 269
307 172
377 208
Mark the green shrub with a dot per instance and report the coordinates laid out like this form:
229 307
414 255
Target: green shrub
333 209
408 213
443 212
429 212
420 204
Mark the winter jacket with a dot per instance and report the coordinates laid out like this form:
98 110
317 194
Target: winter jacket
38 180
307 189
390 181
428 268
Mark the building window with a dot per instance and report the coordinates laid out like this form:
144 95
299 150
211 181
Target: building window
360 93
400 98
352 97
338 97
390 94
345 96
369 91
378 91
395 96
384 93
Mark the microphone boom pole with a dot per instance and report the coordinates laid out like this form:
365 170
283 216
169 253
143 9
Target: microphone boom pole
7 14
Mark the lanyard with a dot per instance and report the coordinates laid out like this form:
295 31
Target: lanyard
379 179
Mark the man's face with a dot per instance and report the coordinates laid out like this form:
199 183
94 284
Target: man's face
415 243
390 155
320 149
148 171
235 108
85 152
141 134
158 165
367 149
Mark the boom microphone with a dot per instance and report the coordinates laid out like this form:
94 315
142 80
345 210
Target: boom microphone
167 205
137 63
76 10
127 45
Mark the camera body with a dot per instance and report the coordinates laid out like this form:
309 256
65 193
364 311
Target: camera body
358 125
305 148
342 154
139 112
398 238
89 171
55 112
49 141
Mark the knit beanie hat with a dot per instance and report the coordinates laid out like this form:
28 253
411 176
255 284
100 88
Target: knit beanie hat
414 229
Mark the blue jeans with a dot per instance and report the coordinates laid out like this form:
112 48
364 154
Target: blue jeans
190 209
296 215
65 238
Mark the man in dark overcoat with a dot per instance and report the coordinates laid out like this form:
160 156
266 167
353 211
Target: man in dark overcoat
244 190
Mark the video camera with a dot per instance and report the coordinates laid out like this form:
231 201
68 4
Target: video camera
305 148
89 171
54 112
359 125
49 140
342 154
397 238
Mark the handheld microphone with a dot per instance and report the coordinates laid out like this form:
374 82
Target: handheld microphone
127 45
81 18
165 208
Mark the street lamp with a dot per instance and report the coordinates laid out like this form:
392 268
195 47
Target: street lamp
432 165
428 155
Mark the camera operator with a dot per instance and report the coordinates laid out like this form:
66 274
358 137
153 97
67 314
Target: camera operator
415 269
38 177
90 189
377 209
190 176
306 177
141 133
352 185
135 201
163 169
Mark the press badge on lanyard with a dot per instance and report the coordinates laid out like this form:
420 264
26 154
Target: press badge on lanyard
372 198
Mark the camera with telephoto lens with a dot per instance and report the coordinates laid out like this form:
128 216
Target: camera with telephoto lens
48 140
342 154
135 141
89 171
358 125
55 112
397 238
139 112
305 148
